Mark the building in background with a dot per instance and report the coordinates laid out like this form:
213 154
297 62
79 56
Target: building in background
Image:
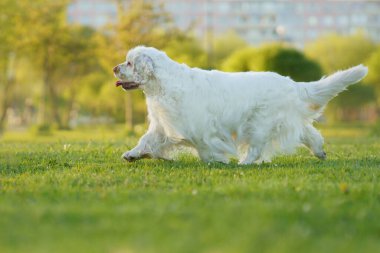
95 13
257 21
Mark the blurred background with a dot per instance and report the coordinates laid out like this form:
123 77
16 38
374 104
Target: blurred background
56 57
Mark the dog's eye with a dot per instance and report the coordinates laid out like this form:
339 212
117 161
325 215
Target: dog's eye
129 64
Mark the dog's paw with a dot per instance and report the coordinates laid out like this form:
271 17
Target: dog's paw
263 161
244 162
322 155
129 156
257 162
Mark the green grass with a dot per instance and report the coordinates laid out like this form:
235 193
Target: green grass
70 192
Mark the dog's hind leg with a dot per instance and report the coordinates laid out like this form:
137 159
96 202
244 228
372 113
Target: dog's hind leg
313 140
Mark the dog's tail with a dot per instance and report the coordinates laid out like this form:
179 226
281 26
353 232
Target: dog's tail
319 93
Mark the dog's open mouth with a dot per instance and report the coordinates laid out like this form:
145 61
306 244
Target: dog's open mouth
127 85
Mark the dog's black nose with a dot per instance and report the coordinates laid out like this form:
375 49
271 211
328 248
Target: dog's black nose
116 69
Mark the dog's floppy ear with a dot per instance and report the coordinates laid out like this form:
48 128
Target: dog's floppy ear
144 66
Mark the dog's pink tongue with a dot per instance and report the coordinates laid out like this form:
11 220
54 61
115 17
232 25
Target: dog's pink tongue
118 83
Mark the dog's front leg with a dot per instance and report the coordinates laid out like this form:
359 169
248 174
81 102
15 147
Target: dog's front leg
151 145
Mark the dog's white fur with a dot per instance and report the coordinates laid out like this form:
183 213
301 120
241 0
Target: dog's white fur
250 115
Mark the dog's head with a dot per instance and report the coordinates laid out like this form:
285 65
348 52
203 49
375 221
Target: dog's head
136 71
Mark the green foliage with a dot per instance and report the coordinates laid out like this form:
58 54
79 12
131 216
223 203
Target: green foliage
335 52
72 193
44 26
66 69
8 34
141 23
239 61
356 96
277 58
373 78
224 45
76 62
10 48
374 66
47 44
375 131
42 130
186 49
349 105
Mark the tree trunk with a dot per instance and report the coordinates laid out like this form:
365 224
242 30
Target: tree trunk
4 106
68 110
42 112
67 114
9 81
48 95
3 115
55 106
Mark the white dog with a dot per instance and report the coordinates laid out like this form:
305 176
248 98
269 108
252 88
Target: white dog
250 115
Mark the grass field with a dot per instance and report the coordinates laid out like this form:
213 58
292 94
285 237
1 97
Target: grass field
70 192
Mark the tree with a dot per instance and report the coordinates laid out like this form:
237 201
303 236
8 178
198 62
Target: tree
350 104
225 45
335 52
139 23
45 42
274 57
62 54
75 59
373 78
9 47
186 49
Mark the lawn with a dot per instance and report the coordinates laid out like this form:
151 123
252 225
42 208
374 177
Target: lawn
71 192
